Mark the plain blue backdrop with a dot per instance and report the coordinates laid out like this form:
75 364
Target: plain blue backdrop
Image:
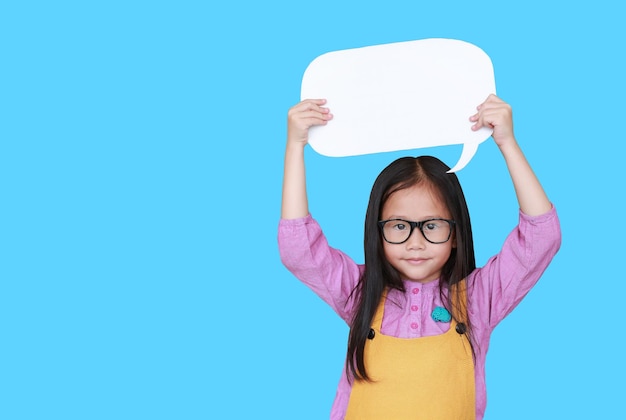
141 151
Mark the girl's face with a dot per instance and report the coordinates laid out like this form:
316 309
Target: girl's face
417 259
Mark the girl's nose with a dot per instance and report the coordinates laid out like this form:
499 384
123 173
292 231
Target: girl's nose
416 240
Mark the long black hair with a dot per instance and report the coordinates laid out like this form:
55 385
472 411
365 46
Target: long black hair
379 274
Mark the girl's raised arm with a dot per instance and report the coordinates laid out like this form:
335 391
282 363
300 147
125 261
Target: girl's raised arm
497 114
301 117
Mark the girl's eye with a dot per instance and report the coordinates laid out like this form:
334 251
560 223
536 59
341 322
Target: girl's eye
431 225
399 226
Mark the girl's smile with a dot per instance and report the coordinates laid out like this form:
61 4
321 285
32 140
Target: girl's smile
416 261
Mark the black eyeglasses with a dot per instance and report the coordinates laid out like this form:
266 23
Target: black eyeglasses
398 231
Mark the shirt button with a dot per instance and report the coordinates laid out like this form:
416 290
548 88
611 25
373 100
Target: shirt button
414 325
414 308
416 291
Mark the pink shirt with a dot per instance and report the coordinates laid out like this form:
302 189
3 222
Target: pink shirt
493 290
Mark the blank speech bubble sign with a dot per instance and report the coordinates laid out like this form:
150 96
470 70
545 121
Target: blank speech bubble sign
400 96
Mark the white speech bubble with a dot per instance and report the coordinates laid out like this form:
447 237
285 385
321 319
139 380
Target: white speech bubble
400 96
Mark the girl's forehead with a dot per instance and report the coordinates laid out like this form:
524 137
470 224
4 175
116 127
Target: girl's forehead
417 201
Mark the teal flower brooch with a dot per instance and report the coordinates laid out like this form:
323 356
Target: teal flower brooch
441 314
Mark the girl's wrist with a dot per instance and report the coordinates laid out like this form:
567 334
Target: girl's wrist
295 146
508 145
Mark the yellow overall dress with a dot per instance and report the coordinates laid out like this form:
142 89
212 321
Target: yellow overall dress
426 378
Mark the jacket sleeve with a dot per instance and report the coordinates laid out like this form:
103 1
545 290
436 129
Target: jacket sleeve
507 277
330 273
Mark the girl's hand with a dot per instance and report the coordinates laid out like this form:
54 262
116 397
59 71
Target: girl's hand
498 115
303 116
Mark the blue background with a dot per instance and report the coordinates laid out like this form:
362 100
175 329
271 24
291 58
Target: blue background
141 151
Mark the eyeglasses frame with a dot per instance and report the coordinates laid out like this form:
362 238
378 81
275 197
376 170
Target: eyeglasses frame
419 225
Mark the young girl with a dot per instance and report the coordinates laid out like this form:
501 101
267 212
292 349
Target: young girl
420 312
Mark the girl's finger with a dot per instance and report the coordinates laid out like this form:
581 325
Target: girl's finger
311 103
310 118
307 106
318 101
314 113
491 99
